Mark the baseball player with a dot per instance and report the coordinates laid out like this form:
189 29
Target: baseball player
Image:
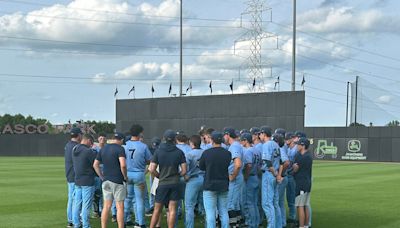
137 157
235 176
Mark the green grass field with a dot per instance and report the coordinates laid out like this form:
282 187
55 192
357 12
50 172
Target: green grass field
33 194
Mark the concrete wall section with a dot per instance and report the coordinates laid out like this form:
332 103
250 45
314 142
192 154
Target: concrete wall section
278 109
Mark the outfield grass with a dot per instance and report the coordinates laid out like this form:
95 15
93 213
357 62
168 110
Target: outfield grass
33 194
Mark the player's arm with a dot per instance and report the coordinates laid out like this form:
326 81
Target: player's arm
237 163
247 170
183 169
153 169
96 166
122 162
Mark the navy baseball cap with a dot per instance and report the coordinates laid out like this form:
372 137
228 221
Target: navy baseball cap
230 131
280 131
75 131
300 134
246 136
278 138
155 141
244 131
303 141
255 130
217 137
169 135
289 135
119 136
266 130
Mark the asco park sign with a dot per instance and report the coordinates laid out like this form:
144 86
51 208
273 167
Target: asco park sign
20 129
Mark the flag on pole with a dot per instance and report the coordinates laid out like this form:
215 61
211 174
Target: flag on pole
231 86
276 83
152 90
116 91
303 81
132 90
189 88
254 83
210 86
170 89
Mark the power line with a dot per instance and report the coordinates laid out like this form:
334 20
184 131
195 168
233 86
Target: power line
347 58
123 22
343 67
339 43
102 53
123 13
107 44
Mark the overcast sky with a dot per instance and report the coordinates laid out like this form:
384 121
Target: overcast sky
62 60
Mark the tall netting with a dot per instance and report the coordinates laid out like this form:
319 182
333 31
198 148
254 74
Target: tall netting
376 105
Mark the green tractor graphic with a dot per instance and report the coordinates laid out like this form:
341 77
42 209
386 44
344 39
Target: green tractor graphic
324 149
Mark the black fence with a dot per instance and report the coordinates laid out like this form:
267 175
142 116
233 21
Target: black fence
355 143
278 109
33 145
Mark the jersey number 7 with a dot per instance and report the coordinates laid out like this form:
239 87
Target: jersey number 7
133 151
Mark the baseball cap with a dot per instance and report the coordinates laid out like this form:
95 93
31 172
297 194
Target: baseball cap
217 137
278 138
255 130
303 141
230 131
266 130
75 131
155 141
280 131
244 131
169 135
300 134
289 135
119 136
246 136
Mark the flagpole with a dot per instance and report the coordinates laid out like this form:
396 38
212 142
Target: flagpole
181 53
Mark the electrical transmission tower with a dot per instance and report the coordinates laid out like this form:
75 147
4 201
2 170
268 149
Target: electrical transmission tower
254 36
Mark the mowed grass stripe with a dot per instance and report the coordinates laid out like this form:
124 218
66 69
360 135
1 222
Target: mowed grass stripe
33 194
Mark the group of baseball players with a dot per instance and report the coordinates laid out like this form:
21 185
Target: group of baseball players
233 178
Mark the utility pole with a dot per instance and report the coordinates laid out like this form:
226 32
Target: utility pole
181 57
347 104
294 48
355 108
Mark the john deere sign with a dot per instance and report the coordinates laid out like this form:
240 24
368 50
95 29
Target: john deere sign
340 149
354 151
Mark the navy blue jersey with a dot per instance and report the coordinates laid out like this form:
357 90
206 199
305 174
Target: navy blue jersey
69 167
303 176
109 156
169 158
83 158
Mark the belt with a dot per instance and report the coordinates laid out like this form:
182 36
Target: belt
252 174
194 176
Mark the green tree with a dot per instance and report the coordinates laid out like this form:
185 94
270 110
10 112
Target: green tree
393 123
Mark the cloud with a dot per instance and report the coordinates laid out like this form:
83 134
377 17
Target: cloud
349 21
385 99
138 27
327 3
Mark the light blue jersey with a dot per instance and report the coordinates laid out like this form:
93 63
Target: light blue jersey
258 150
291 152
251 156
192 161
137 156
269 150
184 147
237 152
